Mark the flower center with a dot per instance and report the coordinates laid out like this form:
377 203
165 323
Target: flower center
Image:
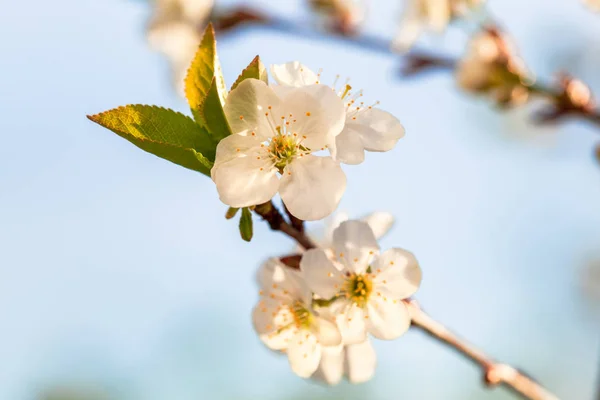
302 315
283 149
358 288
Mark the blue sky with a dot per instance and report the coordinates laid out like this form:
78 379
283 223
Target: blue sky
119 270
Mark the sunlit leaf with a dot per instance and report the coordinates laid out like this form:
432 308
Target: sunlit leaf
255 70
162 132
204 68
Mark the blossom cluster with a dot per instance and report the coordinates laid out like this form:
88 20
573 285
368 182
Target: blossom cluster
278 128
344 291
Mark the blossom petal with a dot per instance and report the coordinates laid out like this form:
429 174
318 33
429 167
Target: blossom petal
331 367
327 332
349 148
247 109
278 340
243 178
351 321
387 319
237 146
293 74
397 273
312 187
379 222
280 280
317 114
355 245
360 362
304 353
320 274
378 130
270 314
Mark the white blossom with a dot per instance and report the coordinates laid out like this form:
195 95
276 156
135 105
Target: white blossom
594 5
175 30
366 128
435 15
366 288
285 320
275 133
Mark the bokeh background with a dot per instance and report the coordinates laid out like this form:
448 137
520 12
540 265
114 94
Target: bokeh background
120 278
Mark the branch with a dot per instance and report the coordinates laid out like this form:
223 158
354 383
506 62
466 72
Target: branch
494 373
413 62
277 223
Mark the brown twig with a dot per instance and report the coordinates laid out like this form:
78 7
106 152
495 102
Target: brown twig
414 62
277 223
494 373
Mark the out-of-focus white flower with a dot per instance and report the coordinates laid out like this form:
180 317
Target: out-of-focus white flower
491 65
366 128
593 4
367 288
423 15
275 130
175 30
345 16
285 320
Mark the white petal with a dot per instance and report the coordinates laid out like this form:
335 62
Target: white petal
304 353
247 109
237 146
327 332
312 187
378 130
331 367
274 323
351 322
280 280
319 273
245 181
349 147
293 74
331 224
387 319
360 362
379 222
318 114
397 273
355 245
278 340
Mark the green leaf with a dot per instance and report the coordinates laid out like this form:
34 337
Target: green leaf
213 114
204 68
231 212
162 132
246 224
255 69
